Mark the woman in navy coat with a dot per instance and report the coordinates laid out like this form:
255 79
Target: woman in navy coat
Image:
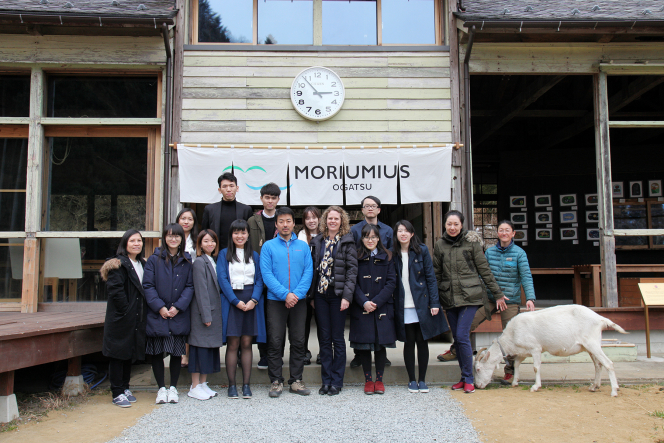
416 302
169 287
372 310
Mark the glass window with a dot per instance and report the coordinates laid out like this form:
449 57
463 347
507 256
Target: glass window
408 21
131 97
13 180
349 23
97 184
286 23
225 21
630 216
14 96
11 268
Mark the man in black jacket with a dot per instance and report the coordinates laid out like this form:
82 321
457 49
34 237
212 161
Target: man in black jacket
219 216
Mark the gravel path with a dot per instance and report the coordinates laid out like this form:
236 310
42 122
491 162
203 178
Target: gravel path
396 416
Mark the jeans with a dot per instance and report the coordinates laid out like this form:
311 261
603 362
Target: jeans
460 320
119 372
331 321
279 317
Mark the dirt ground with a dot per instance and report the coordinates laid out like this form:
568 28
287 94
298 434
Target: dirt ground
566 414
95 420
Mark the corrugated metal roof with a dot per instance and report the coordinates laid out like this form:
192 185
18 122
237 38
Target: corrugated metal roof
542 10
93 8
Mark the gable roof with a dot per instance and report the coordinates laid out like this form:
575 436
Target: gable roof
563 10
115 9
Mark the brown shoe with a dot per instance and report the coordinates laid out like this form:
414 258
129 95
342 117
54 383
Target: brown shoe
276 389
447 356
298 387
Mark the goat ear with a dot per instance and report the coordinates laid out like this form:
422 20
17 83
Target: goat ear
486 356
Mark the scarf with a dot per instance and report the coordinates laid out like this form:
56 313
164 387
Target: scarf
326 265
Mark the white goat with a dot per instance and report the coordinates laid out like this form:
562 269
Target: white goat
560 330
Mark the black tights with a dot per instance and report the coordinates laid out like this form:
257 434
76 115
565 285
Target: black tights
414 336
232 355
365 358
158 369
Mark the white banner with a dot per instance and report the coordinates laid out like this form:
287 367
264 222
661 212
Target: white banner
371 172
255 168
425 174
316 176
199 170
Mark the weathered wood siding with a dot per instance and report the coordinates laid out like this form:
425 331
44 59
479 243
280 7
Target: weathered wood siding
555 58
63 49
244 98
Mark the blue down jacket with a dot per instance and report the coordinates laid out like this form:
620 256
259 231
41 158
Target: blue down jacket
511 269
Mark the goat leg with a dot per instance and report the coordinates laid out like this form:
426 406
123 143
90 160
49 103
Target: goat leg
537 365
517 364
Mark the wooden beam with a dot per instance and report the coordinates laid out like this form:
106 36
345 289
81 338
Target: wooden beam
53 121
636 124
535 113
14 131
74 366
621 99
92 234
35 151
526 98
437 222
607 242
6 383
178 69
30 290
14 120
455 94
637 232
428 225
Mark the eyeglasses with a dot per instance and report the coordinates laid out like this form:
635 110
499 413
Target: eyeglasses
370 206
371 238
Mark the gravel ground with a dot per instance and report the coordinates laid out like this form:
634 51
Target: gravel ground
396 416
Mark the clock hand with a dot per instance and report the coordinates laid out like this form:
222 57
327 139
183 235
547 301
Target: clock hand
324 93
312 87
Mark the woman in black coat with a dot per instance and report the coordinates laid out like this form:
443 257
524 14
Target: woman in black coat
335 272
372 312
418 314
169 288
126 312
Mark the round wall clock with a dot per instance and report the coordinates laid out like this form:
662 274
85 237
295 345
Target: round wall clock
317 93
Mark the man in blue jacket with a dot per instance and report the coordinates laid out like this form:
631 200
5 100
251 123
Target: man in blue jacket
287 270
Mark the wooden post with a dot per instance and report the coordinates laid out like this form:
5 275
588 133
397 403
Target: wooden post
645 310
318 22
609 276
428 225
6 383
30 290
455 93
74 367
437 222
178 63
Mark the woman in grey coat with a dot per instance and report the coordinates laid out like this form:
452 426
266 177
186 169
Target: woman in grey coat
205 337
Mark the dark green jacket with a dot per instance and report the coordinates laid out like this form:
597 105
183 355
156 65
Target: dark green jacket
257 231
458 266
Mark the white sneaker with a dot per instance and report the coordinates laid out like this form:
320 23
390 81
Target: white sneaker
173 395
162 396
198 393
208 390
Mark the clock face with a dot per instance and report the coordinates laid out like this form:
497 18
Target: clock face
317 93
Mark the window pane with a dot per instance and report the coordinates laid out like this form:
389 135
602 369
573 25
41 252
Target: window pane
408 21
11 267
13 170
97 184
14 96
349 23
225 21
131 97
286 23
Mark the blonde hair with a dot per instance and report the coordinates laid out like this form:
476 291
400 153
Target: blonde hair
345 221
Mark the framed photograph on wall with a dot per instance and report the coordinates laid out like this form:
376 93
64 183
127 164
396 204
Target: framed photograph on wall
543 218
592 234
592 216
517 201
568 233
543 234
520 235
617 190
636 189
591 199
654 188
568 217
518 218
542 200
568 200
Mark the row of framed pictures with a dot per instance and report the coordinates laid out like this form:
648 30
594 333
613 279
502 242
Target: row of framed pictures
542 218
521 235
636 189
519 201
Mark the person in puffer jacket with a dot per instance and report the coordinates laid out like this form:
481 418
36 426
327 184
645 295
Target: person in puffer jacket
509 265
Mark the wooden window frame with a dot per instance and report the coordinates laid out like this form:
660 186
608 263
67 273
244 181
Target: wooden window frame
318 23
647 202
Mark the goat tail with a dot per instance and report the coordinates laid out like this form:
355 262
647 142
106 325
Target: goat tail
609 324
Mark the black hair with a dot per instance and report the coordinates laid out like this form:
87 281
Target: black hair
284 210
199 242
370 197
271 189
415 242
172 229
506 222
231 253
122 247
362 250
227 176
194 229
462 219
316 213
